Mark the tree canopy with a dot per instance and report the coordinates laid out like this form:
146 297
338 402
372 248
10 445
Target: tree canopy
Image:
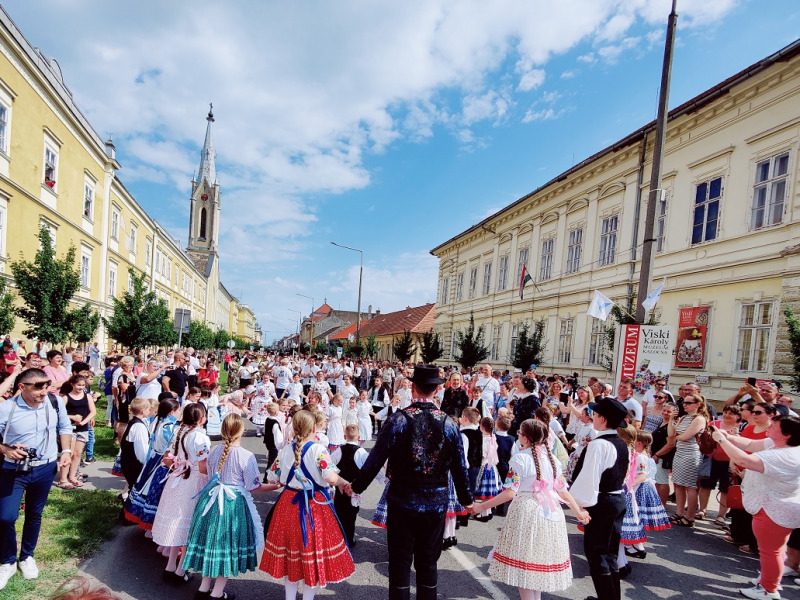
431 347
529 348
470 349
404 347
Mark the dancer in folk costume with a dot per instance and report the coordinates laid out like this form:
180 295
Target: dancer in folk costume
584 433
349 458
142 502
226 535
381 510
336 436
321 425
187 476
350 414
315 552
532 552
258 411
632 529
364 410
489 484
652 515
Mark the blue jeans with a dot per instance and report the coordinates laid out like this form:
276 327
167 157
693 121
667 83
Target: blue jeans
90 444
36 487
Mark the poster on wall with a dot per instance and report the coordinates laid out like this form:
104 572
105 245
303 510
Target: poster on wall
645 354
692 335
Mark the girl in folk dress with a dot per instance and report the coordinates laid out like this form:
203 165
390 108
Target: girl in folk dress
454 510
489 484
187 460
335 426
321 425
652 515
350 414
633 533
226 535
315 552
142 502
258 412
364 409
532 552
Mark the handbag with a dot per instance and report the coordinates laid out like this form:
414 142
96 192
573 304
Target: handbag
734 498
706 443
705 468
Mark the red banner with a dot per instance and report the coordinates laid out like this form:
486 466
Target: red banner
630 349
692 334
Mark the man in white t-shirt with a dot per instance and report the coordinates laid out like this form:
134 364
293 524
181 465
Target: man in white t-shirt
309 374
625 397
489 386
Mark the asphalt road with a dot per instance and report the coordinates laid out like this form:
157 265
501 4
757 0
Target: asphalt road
688 563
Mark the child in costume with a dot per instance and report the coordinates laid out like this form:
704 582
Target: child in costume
315 552
652 515
505 446
187 476
633 533
226 535
336 435
349 458
455 510
364 410
489 484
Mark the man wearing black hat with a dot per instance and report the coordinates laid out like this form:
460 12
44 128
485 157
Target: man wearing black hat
422 446
597 486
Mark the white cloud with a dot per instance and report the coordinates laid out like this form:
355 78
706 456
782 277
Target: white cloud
530 80
568 75
545 114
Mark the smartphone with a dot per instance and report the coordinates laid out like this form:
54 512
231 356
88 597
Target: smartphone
564 397
751 381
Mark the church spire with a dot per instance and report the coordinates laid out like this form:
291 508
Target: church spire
208 156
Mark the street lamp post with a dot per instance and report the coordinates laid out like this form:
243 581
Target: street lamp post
310 317
360 278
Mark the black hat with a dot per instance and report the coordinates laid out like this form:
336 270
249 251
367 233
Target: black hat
613 410
426 375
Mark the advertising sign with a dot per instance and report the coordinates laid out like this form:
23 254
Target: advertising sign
692 335
645 354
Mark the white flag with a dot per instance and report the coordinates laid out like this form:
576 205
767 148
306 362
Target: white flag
652 298
600 307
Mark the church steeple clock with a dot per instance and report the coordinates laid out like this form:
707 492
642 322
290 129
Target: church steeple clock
205 203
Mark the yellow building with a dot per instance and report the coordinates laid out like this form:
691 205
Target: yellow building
728 240
56 171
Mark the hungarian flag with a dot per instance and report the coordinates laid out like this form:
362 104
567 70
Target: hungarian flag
523 279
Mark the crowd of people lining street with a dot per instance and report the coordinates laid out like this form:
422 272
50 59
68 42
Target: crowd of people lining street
449 446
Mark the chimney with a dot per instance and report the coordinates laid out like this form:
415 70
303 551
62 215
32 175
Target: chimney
111 149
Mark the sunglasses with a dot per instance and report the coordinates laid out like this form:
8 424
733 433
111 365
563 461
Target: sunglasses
660 396
685 403
39 385
758 412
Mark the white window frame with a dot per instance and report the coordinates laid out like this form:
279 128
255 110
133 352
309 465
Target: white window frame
756 358
609 229
487 278
546 260
132 239
460 286
88 199
522 261
497 332
597 339
774 201
115 215
445 289
662 207
52 228
5 125
512 350
566 336
473 282
112 281
574 250
453 338
50 166
705 205
130 282
502 273
86 268
148 251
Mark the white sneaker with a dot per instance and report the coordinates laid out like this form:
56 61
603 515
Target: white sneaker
757 592
6 572
757 581
29 568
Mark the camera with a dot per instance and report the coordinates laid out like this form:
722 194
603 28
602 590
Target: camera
24 465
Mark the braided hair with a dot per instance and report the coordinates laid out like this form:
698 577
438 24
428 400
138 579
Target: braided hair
232 429
537 433
192 415
303 425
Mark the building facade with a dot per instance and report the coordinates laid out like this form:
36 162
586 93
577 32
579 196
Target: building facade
727 240
57 172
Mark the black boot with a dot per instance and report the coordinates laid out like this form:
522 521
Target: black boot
426 592
604 586
615 577
399 593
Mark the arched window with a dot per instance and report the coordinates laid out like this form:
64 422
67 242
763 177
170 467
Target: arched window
202 223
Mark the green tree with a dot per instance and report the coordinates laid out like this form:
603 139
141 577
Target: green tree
304 348
321 347
46 287
404 347
353 349
529 348
200 336
371 346
221 338
7 320
431 347
84 324
470 349
793 324
140 319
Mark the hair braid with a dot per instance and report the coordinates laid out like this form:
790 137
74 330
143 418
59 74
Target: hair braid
552 461
535 454
224 456
178 439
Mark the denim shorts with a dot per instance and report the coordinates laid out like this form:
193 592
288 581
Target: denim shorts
80 436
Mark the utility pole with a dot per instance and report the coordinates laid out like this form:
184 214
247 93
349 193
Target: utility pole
648 242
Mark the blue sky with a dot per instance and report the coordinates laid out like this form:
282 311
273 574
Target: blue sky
386 126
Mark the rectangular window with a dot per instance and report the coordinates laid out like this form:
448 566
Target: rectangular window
495 350
597 343
512 351
565 340
769 192
574 250
130 282
460 286
88 200
608 240
755 329
546 262
148 250
445 290
707 197
661 221
132 239
487 278
453 346
112 283
114 224
502 273
522 261
473 282
4 128
86 270
50 167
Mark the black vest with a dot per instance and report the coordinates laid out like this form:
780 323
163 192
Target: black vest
611 479
505 444
269 439
475 450
130 465
421 455
347 464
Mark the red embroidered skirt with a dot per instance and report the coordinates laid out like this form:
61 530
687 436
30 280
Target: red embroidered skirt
325 559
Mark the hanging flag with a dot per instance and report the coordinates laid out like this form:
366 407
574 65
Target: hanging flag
523 279
600 307
652 299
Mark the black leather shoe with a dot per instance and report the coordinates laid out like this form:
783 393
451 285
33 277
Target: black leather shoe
636 553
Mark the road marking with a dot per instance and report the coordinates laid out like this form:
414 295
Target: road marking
486 583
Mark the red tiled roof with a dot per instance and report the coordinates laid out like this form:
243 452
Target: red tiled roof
346 332
322 312
417 319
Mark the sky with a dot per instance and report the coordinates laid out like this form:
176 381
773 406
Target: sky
381 125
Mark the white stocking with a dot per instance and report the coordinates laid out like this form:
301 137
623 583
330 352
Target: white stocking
290 588
308 592
449 527
622 560
526 594
219 587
